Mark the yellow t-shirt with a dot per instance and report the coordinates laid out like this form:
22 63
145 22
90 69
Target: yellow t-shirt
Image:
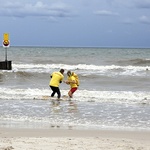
76 77
57 77
72 78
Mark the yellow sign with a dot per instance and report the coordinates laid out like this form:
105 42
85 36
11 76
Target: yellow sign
6 40
6 36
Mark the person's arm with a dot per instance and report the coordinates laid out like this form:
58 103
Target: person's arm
61 80
70 81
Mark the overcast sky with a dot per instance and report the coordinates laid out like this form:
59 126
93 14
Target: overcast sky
79 23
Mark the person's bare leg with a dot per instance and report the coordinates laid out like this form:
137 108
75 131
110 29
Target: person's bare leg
70 95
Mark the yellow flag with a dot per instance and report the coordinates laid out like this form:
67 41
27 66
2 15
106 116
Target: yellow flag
6 36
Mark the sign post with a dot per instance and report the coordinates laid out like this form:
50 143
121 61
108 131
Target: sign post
6 43
5 65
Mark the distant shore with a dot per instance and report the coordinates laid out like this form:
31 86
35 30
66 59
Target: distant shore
65 139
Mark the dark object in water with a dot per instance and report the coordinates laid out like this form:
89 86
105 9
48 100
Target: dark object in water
5 65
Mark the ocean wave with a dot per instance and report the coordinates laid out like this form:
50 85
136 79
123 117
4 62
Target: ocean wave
140 61
120 97
82 69
135 62
24 74
47 67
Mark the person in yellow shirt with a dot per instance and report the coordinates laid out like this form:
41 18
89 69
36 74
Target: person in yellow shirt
56 79
72 82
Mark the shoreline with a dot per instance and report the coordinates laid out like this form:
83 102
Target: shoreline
59 132
62 139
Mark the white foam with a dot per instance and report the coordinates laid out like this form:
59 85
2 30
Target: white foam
80 95
111 70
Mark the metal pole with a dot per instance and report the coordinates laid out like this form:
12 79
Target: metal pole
5 53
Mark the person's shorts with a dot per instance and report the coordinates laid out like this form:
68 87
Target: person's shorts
73 89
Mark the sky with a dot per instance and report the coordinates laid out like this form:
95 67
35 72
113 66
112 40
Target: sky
76 23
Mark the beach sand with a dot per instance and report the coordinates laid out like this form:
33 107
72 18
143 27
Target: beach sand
66 139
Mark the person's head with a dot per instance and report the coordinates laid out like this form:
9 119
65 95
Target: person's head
62 71
69 73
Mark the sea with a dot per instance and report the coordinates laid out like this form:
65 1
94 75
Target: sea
114 90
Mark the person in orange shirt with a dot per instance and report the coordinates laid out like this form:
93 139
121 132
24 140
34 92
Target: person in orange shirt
72 82
56 79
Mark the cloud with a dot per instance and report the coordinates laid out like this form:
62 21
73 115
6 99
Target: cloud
142 4
121 4
19 9
145 4
128 21
105 13
144 19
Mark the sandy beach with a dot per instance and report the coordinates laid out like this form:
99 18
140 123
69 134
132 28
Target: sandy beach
65 139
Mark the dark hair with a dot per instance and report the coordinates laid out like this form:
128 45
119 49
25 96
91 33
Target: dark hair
69 73
62 71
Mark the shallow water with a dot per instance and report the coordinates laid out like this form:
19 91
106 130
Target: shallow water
114 90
